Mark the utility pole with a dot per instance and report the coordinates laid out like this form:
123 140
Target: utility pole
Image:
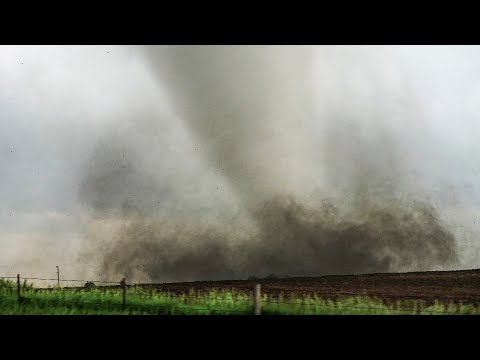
18 289
123 284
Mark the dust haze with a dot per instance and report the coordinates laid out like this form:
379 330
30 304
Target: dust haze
223 162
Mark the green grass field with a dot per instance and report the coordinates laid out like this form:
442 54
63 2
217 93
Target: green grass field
58 301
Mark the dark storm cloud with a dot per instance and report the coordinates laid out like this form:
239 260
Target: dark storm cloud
345 205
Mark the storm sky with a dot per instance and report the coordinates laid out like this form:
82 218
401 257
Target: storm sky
98 143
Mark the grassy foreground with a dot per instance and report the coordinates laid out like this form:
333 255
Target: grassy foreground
58 301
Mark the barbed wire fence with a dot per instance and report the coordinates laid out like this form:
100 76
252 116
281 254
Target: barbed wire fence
254 300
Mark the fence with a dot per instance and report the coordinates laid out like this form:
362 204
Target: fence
255 299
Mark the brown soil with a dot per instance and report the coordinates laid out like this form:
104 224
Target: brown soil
445 287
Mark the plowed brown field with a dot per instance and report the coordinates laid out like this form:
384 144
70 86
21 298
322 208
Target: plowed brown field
447 286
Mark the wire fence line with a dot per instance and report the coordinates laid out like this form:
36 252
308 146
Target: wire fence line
72 280
324 295
248 300
375 294
300 303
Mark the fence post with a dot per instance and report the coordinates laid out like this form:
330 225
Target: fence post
58 276
124 293
258 300
18 288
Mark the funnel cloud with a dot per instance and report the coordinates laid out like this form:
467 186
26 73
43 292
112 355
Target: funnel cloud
338 206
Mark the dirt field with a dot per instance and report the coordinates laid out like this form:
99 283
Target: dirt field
449 286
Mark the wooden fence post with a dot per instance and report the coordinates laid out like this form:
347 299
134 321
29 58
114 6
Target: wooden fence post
58 277
258 300
124 293
18 288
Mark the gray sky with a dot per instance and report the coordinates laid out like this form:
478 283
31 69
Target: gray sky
59 104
